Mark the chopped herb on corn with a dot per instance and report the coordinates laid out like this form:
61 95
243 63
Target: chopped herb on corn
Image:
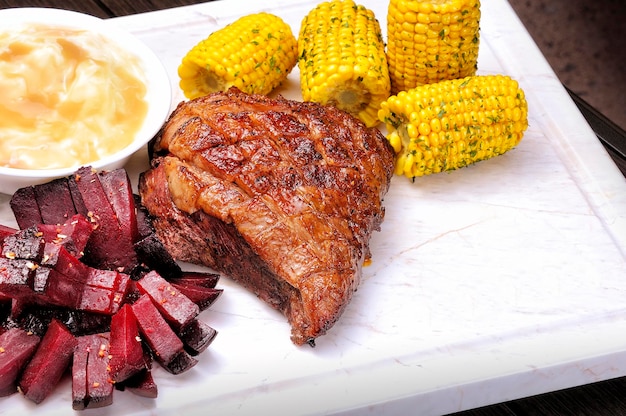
451 124
342 59
431 40
255 54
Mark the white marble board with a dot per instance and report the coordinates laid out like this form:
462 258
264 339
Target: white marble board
494 282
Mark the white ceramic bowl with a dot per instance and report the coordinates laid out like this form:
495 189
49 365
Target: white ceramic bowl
158 94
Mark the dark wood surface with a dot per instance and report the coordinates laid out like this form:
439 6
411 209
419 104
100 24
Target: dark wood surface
606 398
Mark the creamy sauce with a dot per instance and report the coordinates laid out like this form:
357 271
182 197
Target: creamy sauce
67 98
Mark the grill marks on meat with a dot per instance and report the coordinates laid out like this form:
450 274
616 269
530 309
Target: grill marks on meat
280 195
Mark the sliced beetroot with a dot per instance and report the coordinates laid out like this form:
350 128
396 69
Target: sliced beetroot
72 234
60 259
68 288
108 247
119 192
113 280
17 346
35 318
120 292
91 385
5 311
83 322
63 291
142 384
180 363
77 198
6 231
40 280
167 347
25 208
25 244
16 277
132 293
177 309
27 260
53 356
205 279
126 351
66 280
202 296
80 359
96 299
55 201
197 336
104 291
107 279
25 302
152 253
34 323
155 331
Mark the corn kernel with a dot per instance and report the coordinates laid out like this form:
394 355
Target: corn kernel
456 127
443 39
342 59
255 53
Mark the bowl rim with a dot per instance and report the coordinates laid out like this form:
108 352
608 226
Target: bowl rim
158 93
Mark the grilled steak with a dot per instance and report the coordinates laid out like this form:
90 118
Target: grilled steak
281 196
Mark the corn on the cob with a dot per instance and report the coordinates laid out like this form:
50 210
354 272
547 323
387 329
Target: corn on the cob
431 40
255 54
451 124
342 59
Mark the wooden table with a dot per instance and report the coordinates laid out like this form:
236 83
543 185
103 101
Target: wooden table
602 398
